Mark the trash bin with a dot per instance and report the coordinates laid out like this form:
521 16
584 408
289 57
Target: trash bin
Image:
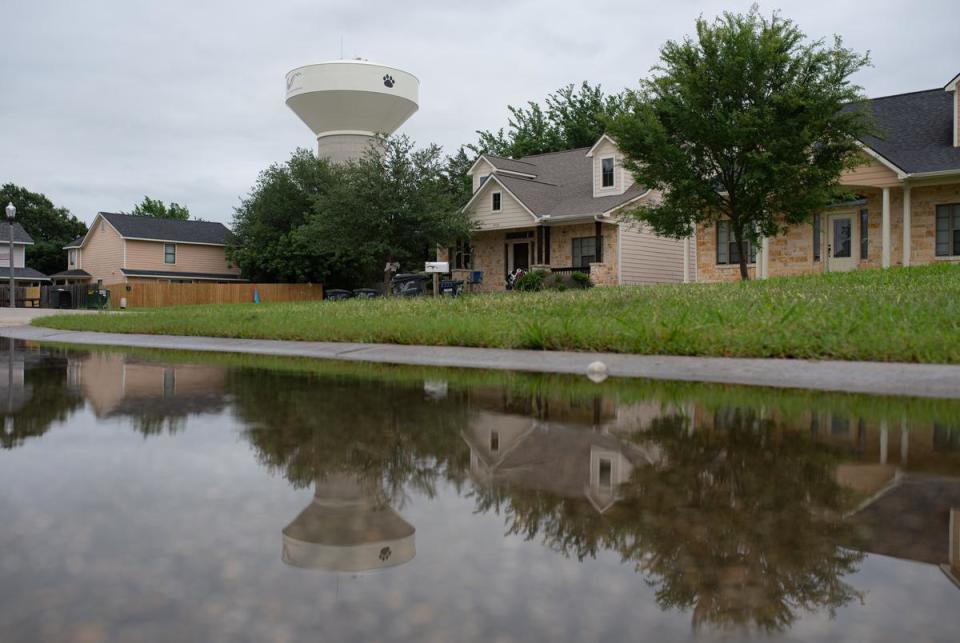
451 288
62 298
476 277
366 293
97 299
337 294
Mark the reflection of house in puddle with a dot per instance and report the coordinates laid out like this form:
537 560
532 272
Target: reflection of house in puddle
348 527
569 460
909 510
118 385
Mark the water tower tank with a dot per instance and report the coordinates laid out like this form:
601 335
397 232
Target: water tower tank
348 102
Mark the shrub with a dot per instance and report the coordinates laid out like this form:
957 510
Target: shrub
556 282
581 279
530 281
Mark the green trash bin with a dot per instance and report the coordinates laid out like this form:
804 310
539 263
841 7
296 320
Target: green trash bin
97 299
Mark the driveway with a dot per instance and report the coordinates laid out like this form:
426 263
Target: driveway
21 316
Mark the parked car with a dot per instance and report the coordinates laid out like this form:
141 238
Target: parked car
336 294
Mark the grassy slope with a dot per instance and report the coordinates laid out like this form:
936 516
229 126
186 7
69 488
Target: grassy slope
910 315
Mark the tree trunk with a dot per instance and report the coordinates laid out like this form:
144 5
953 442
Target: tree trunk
742 251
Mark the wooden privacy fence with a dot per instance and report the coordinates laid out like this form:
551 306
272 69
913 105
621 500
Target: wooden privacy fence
160 294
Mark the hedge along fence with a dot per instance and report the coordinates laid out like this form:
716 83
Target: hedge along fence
162 294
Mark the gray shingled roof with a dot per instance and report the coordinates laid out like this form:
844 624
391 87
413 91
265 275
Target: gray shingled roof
22 274
19 234
563 188
136 227
71 273
133 272
76 242
917 131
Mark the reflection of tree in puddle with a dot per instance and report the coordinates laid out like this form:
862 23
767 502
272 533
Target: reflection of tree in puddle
33 393
741 526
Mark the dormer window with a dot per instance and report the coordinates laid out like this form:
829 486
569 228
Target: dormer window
495 202
606 171
481 180
73 257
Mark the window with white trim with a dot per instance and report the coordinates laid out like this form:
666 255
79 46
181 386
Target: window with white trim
170 253
948 230
727 252
495 202
606 172
72 253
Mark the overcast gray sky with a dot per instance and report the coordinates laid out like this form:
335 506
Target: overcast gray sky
102 102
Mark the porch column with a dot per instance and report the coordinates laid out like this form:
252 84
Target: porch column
907 222
546 245
885 230
686 260
539 245
764 260
599 233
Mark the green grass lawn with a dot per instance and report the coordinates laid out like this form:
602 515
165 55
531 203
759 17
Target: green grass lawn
908 315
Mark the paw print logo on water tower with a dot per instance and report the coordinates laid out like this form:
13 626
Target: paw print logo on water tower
388 80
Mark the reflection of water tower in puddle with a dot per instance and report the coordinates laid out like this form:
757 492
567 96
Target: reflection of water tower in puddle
348 528
347 103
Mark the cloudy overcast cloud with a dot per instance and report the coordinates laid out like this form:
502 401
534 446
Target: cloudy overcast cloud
104 102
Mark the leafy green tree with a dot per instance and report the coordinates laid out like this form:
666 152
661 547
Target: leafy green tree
749 122
572 117
158 209
310 220
269 218
393 205
50 226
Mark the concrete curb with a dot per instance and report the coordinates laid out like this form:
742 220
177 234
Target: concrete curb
874 378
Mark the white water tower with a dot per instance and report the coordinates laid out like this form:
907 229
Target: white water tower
347 103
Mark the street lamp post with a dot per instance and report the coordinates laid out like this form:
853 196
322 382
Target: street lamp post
11 214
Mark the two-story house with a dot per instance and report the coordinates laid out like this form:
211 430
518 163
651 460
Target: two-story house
24 276
123 248
563 212
908 206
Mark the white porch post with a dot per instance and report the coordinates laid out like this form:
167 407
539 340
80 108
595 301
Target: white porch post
764 257
907 222
686 260
885 230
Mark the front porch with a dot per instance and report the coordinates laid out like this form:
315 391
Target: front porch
589 247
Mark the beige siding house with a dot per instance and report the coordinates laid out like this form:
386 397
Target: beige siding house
907 210
562 212
122 248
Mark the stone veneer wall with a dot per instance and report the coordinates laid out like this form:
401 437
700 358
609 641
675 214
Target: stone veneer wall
488 254
792 253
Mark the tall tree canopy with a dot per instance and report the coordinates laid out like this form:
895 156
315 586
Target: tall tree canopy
571 117
311 220
157 208
50 226
749 121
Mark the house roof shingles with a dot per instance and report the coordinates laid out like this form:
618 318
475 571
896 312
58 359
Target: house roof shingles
23 274
563 188
137 227
134 272
916 131
19 234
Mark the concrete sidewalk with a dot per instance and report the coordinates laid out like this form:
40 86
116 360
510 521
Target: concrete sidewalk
921 380
21 316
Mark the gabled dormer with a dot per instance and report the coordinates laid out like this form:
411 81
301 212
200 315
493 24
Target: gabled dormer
954 87
610 177
487 164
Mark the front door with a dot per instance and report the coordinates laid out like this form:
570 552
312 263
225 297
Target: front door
841 229
521 256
